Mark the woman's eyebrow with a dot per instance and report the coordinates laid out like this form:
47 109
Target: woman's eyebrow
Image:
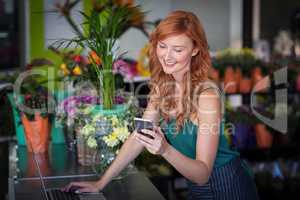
180 46
176 46
161 42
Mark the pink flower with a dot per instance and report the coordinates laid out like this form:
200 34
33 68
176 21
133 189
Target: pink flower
125 69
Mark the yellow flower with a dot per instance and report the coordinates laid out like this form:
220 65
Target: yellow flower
91 142
143 61
111 140
122 133
66 72
63 66
77 70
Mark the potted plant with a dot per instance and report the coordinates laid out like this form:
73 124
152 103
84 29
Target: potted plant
236 66
103 26
35 117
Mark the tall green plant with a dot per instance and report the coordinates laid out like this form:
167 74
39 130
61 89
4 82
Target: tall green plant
103 28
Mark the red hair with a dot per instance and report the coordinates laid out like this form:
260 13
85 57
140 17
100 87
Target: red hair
178 22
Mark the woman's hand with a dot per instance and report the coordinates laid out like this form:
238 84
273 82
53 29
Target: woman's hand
156 145
91 186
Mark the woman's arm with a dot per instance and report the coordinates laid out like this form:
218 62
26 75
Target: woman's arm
128 152
197 170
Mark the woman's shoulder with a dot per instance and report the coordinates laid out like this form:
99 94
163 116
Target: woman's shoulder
209 87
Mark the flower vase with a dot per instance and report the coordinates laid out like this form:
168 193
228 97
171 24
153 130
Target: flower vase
105 155
84 152
103 158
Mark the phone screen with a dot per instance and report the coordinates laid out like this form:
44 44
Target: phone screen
141 123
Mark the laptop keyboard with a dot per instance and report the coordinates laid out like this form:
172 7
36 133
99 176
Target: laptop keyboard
57 194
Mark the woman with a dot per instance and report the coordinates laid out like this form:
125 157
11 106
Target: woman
190 135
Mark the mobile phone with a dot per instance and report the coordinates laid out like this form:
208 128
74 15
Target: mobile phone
141 123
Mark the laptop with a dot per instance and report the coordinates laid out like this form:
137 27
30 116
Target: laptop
57 194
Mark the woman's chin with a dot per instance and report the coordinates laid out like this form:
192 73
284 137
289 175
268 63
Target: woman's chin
168 70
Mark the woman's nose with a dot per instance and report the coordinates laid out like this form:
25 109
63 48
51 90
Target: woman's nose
168 55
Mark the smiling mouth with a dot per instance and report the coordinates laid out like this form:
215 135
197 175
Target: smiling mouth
169 64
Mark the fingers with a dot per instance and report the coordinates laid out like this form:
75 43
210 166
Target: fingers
158 130
85 189
144 139
82 185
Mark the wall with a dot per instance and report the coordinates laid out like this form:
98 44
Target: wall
221 21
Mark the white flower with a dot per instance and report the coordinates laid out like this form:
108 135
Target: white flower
114 120
91 142
99 117
87 130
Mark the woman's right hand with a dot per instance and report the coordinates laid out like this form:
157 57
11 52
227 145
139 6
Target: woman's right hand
90 186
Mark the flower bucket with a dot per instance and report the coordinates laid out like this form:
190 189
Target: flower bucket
264 138
260 83
230 82
245 85
36 133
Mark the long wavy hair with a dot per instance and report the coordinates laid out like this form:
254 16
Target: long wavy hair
178 22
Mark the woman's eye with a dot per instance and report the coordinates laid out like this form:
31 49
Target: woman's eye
161 46
178 50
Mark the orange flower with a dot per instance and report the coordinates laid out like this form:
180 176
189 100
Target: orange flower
94 58
77 70
123 2
137 18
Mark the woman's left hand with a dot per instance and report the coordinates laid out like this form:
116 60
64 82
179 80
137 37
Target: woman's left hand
156 145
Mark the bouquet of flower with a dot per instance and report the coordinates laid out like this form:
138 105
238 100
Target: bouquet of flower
112 130
105 133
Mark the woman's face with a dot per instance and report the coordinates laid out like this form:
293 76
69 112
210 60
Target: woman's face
175 53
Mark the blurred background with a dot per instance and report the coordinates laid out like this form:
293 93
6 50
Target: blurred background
254 44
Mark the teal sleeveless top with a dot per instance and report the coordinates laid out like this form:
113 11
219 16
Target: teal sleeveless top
185 141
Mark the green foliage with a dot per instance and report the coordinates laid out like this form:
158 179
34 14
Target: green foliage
245 59
104 25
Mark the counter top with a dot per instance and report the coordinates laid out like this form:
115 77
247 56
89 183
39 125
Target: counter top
60 167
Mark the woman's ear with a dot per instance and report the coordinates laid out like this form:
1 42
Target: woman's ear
195 51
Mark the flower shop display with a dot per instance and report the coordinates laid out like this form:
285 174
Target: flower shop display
238 67
98 38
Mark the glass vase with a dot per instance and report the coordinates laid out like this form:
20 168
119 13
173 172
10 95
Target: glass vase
103 158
